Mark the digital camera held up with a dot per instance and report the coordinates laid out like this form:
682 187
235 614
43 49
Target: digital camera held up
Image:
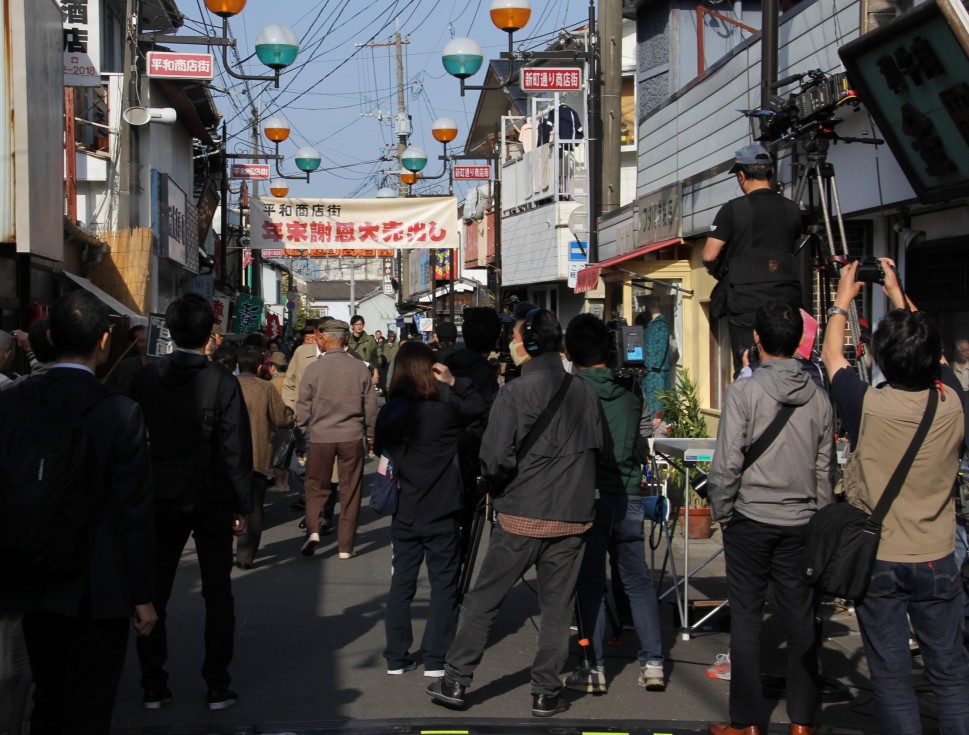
870 271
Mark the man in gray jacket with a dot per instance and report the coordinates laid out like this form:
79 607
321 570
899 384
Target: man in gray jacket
764 509
336 410
545 504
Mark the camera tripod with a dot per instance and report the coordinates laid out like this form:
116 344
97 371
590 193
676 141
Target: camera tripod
818 180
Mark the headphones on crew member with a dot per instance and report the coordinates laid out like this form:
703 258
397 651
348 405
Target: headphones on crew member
529 339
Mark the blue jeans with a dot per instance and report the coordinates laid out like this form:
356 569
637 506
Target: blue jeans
619 521
927 594
439 542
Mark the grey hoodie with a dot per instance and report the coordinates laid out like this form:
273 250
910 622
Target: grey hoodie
792 478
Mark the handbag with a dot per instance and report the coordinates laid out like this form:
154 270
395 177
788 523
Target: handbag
385 488
842 540
283 444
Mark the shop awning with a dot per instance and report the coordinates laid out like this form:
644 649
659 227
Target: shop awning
588 278
107 299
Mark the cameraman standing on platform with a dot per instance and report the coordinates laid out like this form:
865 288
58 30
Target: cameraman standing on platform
752 248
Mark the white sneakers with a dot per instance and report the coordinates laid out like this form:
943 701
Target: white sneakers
309 546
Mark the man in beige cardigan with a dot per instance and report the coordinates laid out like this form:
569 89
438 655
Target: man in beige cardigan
336 409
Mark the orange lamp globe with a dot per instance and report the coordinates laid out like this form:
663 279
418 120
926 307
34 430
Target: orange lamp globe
409 177
444 130
276 128
278 188
225 8
510 15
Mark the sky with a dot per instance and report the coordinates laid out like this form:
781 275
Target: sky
340 96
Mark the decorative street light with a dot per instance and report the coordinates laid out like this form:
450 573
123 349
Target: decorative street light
278 188
413 158
409 177
462 57
276 46
308 159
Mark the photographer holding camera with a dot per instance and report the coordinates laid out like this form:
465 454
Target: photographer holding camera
752 248
915 579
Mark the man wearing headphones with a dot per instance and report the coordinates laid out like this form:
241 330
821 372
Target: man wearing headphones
543 487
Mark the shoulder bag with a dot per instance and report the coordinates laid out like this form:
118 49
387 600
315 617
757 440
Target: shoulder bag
842 540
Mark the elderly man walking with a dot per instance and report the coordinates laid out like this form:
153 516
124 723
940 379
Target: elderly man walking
336 410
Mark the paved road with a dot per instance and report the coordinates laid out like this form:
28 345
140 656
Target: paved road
310 637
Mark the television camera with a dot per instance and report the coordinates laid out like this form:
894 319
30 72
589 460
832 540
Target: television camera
808 111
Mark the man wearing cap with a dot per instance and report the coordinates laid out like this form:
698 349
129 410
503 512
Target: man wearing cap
336 410
753 247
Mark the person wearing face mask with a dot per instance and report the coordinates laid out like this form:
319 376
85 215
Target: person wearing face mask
544 495
519 355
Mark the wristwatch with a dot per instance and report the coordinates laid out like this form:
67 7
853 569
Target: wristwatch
837 311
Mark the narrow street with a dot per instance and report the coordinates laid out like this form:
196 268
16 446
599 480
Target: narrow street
309 655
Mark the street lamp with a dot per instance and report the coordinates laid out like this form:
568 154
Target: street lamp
278 188
308 159
462 57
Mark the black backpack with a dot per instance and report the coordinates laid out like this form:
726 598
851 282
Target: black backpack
48 496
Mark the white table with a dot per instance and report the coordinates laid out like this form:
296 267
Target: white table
689 452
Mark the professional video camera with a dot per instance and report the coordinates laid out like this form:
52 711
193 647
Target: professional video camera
627 352
809 110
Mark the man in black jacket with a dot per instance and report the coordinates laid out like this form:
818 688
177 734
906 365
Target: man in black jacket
202 459
76 626
546 505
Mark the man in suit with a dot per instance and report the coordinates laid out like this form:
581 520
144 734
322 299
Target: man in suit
76 626
336 410
202 460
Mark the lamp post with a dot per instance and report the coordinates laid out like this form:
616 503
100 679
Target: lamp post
308 159
462 58
276 46
444 130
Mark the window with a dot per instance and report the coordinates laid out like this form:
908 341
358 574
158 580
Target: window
91 125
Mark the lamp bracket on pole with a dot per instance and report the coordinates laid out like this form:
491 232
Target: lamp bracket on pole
255 156
170 40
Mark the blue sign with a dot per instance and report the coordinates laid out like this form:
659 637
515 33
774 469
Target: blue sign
578 252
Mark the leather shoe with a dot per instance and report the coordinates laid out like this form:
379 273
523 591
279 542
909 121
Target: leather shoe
447 691
803 729
546 705
722 728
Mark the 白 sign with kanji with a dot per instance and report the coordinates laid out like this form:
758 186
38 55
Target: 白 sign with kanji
359 224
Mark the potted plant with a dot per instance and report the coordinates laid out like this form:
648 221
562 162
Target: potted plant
682 417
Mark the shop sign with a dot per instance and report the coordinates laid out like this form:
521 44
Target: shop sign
178 65
471 173
911 74
82 42
248 314
551 79
660 217
160 342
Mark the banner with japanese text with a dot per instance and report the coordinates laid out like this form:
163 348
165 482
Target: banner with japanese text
248 315
383 224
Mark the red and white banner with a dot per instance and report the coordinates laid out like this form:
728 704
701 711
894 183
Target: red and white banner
465 173
355 224
178 65
549 79
250 171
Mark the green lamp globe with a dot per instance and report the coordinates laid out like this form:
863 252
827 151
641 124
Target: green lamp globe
277 46
462 57
308 159
413 158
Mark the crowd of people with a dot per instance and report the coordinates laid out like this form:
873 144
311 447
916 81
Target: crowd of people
558 453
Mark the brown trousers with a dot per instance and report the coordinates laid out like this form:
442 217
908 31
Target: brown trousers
319 470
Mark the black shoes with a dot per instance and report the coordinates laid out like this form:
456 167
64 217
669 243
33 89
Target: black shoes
447 691
155 698
546 705
221 698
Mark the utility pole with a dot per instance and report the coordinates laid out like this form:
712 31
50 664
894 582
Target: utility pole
256 281
402 127
610 47
594 138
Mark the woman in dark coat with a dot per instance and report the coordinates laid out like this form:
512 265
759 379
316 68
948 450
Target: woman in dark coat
419 428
